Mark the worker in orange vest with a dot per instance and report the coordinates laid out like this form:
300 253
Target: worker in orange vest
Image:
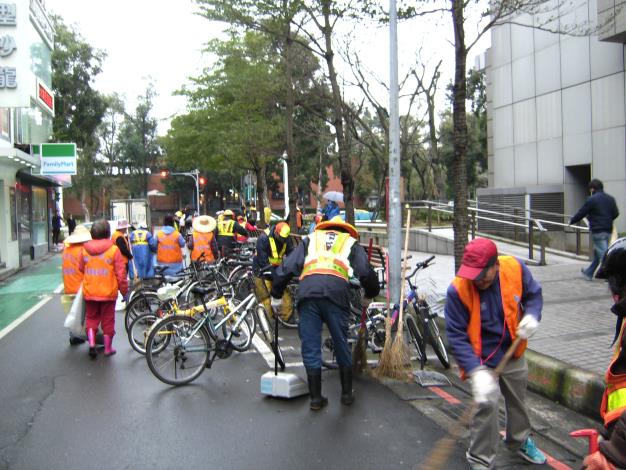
612 450
492 301
104 272
168 244
202 241
72 276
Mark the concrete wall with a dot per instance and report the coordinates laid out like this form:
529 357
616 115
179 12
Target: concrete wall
556 101
419 240
8 248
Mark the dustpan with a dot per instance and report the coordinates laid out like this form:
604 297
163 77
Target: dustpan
281 384
429 378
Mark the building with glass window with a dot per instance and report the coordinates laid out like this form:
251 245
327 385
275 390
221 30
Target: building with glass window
556 110
27 199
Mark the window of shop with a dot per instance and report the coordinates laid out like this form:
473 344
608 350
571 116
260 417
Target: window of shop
40 218
13 203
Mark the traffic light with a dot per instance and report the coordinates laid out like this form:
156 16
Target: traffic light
202 181
164 173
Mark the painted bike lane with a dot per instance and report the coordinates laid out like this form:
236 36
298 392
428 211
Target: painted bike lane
26 289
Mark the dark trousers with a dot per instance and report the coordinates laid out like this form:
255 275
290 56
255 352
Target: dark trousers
314 312
55 235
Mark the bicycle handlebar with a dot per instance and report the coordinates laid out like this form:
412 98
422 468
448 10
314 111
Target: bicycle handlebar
420 265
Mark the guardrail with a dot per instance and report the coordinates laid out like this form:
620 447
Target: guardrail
526 223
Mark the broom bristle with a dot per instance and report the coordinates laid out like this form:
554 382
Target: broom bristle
394 356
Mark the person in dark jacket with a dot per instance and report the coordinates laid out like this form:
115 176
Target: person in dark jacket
226 229
57 221
71 224
325 261
271 248
600 210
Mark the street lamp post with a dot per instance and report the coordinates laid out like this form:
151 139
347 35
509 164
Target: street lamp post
285 183
194 174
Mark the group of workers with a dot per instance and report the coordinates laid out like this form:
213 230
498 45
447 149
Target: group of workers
493 305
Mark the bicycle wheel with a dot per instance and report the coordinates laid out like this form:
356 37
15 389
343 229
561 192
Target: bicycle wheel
241 338
139 331
329 360
182 356
244 285
416 339
437 343
145 302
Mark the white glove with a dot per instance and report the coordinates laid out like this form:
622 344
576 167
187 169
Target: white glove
484 386
277 305
527 326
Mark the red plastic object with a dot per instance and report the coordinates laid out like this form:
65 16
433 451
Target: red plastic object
591 435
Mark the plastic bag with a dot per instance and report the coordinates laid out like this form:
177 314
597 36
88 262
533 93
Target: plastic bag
75 320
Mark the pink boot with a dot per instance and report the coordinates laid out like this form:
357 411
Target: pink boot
108 342
91 336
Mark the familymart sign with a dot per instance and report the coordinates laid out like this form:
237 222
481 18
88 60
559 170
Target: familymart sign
56 159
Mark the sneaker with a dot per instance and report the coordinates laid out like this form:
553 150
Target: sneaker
587 277
530 452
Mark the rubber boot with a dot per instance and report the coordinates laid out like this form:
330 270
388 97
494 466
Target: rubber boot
91 337
108 343
345 373
314 377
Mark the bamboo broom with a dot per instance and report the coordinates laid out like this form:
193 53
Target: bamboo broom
395 357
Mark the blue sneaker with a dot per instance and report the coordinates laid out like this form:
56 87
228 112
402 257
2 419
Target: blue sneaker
530 452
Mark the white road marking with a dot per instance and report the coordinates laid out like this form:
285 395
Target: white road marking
15 323
264 350
59 290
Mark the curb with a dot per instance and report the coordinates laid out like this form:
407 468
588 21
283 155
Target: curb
577 389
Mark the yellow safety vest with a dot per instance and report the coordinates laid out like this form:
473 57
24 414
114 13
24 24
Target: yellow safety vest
140 237
276 257
614 399
328 254
225 228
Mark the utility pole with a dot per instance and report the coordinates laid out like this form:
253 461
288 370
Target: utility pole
394 227
193 174
285 183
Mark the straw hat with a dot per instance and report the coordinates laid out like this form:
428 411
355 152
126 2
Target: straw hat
337 222
122 224
81 234
204 224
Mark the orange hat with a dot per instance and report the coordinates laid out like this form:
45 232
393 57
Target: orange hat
337 222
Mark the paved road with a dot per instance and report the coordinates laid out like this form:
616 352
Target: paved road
62 411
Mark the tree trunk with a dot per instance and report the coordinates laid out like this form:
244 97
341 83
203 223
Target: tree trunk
344 154
460 134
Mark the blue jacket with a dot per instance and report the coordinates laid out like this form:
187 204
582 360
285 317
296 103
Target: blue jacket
142 256
495 334
601 210
330 210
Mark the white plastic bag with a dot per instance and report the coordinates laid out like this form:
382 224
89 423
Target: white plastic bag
75 320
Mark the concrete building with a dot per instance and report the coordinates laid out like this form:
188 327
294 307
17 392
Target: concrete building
557 110
27 200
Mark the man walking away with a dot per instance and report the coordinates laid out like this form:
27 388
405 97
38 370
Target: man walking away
56 228
71 224
493 300
226 229
140 244
600 210
168 244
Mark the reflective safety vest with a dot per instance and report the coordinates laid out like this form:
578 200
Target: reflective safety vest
614 398
202 244
328 253
225 228
510 288
140 237
168 249
72 277
275 257
99 281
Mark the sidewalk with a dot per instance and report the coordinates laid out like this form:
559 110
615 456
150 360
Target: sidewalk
24 289
571 350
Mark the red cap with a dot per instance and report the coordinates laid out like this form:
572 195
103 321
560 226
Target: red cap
479 254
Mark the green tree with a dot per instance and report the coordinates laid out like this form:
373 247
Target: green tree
139 149
78 107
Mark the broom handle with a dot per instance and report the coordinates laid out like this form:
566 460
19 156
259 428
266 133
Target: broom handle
404 267
443 448
364 309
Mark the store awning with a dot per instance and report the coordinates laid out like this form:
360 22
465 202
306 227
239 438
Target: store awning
37 180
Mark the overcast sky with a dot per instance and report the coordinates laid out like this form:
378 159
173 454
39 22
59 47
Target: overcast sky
162 41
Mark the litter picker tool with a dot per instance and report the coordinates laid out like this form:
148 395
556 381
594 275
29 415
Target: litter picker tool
443 448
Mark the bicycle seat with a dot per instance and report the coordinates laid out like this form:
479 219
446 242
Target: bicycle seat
173 279
159 270
202 290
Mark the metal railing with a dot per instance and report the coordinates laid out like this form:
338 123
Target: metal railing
523 222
